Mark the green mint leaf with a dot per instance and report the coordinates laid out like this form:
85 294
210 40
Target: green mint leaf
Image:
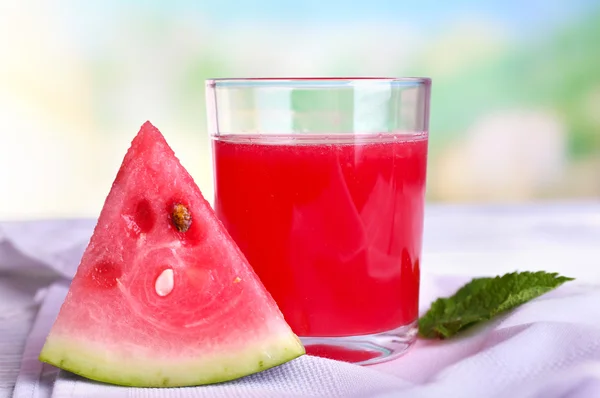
484 298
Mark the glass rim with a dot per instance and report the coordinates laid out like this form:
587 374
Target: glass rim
281 82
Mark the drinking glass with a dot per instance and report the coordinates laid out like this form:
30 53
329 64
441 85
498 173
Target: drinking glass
321 183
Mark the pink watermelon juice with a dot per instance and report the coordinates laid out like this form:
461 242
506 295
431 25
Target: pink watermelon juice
332 227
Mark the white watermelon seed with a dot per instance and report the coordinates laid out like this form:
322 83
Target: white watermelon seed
164 282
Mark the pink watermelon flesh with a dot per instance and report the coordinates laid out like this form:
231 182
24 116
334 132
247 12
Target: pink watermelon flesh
125 321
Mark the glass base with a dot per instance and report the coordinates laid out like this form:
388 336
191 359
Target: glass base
366 349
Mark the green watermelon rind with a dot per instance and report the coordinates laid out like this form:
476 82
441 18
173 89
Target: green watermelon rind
96 364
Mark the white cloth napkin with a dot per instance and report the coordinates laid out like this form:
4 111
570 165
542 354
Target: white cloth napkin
547 348
44 246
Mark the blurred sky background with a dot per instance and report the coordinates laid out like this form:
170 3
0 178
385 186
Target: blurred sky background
515 107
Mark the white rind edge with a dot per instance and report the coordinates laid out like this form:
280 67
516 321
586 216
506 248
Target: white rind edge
98 364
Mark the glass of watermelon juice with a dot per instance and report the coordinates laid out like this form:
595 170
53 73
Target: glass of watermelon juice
321 183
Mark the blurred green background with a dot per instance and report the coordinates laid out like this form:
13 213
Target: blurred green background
515 106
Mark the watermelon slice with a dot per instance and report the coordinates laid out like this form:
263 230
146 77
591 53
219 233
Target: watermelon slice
163 296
